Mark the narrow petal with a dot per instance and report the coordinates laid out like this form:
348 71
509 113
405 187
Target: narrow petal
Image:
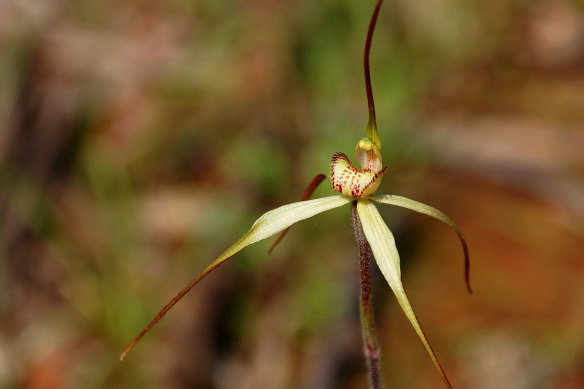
267 225
307 193
385 252
404 202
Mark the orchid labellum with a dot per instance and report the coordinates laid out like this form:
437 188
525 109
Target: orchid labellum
356 186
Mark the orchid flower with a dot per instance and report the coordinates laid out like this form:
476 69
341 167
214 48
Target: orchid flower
356 186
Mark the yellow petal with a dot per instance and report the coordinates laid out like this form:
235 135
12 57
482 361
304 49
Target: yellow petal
385 252
267 225
404 202
307 193
283 217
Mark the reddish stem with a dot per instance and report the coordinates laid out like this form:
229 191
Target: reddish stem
371 345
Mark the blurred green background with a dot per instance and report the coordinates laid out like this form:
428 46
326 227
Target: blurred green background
139 139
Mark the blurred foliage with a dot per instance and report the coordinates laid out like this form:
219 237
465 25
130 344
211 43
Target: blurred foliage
139 139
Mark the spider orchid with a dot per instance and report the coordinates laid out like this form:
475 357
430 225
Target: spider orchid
356 187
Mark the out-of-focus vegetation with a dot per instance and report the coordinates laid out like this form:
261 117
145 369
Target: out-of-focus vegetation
140 138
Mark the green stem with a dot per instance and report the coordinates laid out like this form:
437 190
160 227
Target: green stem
370 343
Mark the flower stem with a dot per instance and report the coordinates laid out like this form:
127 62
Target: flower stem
371 346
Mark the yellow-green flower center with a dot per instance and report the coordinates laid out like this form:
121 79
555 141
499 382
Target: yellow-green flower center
352 181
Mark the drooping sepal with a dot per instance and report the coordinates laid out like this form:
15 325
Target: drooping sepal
270 223
386 256
404 202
